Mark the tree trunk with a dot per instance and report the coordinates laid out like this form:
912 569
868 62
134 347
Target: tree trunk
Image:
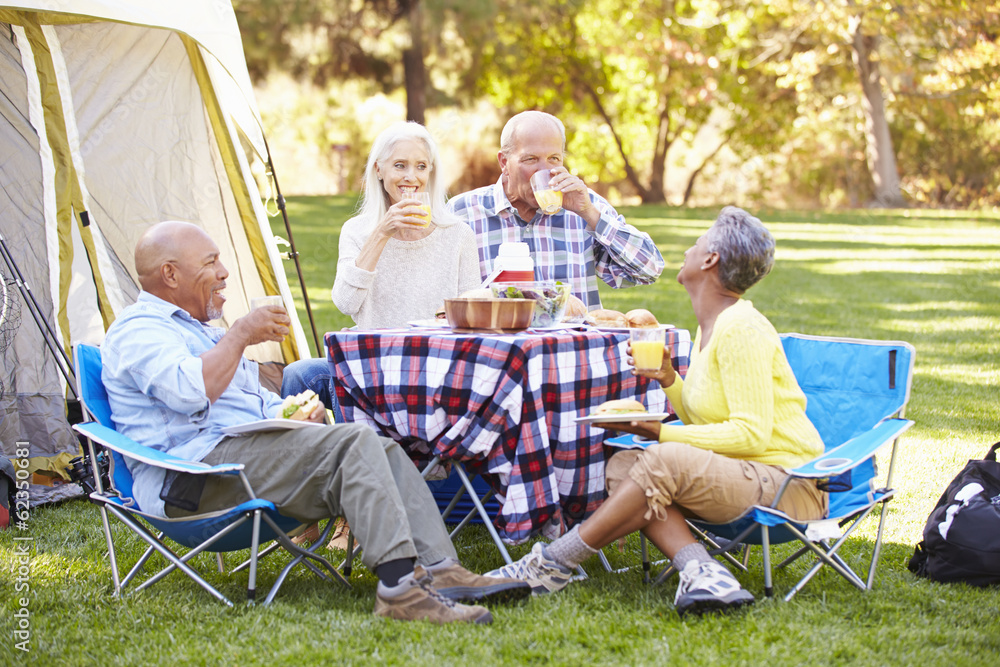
878 141
630 173
414 70
704 163
658 166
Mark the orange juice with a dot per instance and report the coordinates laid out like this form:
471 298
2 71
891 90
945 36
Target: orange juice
426 215
647 354
550 201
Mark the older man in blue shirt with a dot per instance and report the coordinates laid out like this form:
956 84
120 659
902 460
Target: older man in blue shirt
174 383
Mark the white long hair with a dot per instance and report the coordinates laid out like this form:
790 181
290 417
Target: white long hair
375 200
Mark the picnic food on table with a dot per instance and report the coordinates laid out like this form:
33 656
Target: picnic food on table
299 406
550 299
604 317
640 318
619 406
576 309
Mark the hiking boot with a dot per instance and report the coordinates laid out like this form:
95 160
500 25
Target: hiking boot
456 583
543 574
416 599
708 586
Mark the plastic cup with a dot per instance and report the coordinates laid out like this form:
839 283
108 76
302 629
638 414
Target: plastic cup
549 200
262 301
425 204
647 348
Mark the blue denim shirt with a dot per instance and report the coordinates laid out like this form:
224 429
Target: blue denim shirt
153 374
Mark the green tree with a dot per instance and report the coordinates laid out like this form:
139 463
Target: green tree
650 73
850 63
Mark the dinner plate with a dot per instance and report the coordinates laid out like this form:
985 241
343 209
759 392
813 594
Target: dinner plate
268 425
432 323
626 329
612 419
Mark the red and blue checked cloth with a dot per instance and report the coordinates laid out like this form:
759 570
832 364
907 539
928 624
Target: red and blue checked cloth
503 404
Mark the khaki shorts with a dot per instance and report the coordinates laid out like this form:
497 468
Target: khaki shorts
710 486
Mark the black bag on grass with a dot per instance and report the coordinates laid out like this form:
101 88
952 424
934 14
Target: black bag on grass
962 535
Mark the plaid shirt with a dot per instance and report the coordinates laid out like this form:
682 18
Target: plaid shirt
560 244
505 405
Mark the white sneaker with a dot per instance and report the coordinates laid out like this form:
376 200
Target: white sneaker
708 586
544 575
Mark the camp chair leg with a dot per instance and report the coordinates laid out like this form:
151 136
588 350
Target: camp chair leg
828 557
220 562
646 567
111 550
346 566
194 552
604 560
302 557
144 535
139 564
715 549
794 557
254 546
878 543
482 513
765 545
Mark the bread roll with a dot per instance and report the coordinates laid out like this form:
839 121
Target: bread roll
575 309
620 406
603 317
640 318
478 293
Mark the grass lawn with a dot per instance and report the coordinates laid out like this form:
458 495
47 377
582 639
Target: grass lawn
930 278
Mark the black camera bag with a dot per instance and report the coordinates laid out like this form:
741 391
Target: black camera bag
962 535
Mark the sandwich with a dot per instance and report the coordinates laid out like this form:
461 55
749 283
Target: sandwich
603 317
575 311
640 318
620 406
299 406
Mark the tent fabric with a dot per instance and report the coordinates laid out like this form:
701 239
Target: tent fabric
115 116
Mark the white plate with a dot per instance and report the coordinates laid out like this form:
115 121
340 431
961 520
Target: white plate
268 425
611 419
432 323
627 329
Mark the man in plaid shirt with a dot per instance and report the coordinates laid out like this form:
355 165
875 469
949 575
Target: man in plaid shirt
584 240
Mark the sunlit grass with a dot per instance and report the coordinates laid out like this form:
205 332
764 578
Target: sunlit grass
931 278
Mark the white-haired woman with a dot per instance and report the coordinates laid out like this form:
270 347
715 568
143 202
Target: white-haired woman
744 424
392 268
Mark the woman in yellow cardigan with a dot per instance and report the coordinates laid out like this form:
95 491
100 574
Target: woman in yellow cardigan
744 424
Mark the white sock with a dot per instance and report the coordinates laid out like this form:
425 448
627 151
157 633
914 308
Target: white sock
569 550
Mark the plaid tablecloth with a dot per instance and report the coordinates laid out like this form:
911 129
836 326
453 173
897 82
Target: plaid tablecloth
503 404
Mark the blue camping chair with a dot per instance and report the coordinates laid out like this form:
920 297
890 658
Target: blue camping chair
248 525
856 392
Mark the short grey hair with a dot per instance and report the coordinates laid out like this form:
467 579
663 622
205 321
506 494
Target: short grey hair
745 247
507 136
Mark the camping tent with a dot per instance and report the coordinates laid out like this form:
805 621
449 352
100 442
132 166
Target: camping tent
114 116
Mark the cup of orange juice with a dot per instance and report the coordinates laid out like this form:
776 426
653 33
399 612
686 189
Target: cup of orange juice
549 200
648 347
425 204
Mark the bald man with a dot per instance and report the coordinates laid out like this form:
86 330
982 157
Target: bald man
174 383
585 240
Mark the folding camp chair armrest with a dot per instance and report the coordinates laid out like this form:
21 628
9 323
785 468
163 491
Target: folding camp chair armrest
129 448
853 452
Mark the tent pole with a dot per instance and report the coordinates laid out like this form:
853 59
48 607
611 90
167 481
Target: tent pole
36 313
293 254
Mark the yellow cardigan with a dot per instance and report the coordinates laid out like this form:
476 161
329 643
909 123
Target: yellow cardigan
740 397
